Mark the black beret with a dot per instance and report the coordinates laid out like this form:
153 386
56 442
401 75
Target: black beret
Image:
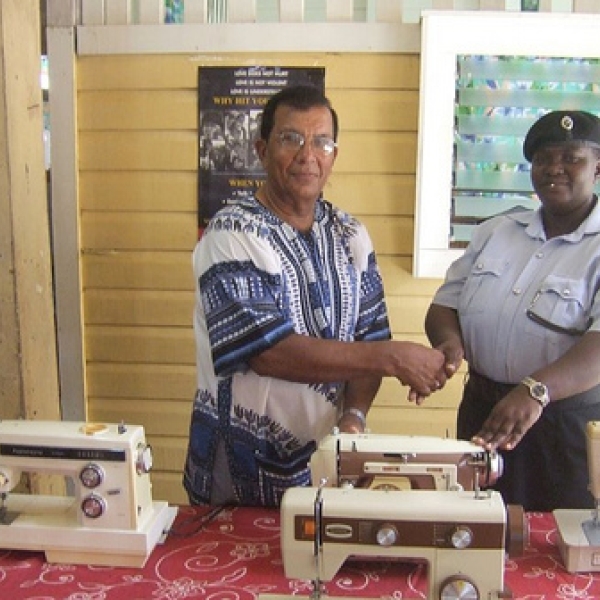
559 127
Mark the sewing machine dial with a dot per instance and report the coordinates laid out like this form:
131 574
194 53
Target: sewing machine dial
461 537
91 476
93 506
387 535
458 587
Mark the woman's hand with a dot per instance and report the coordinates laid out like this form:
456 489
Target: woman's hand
509 420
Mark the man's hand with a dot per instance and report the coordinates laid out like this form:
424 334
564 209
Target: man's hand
453 352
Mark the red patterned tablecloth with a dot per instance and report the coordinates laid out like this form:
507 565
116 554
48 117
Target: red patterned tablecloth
237 556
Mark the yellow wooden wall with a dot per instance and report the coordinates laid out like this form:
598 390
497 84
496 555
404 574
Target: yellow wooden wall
137 127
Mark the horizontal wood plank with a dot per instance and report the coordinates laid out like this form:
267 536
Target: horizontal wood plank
426 421
169 487
112 231
138 270
151 345
396 272
151 308
158 418
165 191
362 194
125 110
138 150
163 71
376 110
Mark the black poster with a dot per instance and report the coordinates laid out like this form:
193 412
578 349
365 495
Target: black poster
230 102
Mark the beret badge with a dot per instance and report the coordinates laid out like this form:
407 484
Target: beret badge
567 124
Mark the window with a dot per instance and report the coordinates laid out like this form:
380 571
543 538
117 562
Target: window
484 80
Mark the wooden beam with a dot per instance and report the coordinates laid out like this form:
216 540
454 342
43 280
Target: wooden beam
26 294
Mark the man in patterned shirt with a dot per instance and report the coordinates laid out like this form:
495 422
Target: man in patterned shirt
291 326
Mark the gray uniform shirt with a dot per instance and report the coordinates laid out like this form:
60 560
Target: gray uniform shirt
509 268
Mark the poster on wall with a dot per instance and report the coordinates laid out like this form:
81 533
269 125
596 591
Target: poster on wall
230 103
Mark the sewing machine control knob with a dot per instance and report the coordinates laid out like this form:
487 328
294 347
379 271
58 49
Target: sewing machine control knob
458 587
93 506
461 537
143 461
91 476
387 535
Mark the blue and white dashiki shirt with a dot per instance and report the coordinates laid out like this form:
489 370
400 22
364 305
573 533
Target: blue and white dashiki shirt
259 280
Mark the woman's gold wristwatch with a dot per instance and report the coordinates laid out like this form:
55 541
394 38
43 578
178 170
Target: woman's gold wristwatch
537 390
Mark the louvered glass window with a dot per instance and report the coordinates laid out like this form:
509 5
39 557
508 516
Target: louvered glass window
498 98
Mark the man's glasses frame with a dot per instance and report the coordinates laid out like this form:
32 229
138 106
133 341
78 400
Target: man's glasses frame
293 141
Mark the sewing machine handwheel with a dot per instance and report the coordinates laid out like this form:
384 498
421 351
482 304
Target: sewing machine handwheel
458 587
517 530
143 461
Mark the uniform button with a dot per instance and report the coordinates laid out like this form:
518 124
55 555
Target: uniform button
567 292
480 266
516 291
539 255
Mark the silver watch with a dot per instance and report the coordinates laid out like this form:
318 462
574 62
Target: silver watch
537 390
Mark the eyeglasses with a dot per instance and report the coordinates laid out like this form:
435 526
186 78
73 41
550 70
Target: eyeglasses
293 141
574 331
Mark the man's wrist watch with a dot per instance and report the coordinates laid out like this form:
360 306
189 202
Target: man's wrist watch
537 390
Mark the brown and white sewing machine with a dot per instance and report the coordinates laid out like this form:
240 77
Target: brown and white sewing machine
359 508
579 529
111 518
376 461
462 535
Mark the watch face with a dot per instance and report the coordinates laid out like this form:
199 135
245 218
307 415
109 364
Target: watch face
539 390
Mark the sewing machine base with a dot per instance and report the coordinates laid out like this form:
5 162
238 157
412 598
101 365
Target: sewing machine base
47 524
577 552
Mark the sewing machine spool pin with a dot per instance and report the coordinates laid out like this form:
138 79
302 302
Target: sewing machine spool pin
317 585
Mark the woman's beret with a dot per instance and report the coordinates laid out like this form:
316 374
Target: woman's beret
559 127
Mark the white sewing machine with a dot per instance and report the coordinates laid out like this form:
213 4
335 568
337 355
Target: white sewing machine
383 461
579 530
110 520
461 535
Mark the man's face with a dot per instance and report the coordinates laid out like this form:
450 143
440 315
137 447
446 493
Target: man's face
563 176
298 173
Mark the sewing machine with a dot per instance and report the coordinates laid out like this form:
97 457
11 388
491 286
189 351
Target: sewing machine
111 518
579 530
461 535
383 461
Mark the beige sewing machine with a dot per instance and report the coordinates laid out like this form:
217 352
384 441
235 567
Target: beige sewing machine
579 530
461 535
383 461
111 518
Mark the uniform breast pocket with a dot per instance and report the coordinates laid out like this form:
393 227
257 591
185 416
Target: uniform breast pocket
561 305
481 285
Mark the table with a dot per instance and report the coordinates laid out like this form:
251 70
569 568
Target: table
236 556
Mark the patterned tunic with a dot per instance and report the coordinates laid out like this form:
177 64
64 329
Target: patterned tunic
259 280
